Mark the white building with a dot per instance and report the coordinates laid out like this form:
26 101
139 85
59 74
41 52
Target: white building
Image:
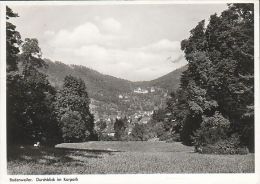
140 91
111 134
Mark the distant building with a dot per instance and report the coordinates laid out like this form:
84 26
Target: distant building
168 114
120 96
152 89
140 91
111 134
144 120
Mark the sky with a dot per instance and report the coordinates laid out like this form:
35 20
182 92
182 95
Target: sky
136 42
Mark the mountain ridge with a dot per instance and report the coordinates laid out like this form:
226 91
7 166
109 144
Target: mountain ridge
169 81
111 96
172 77
107 88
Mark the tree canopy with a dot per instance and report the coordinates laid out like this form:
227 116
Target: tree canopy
35 111
219 81
30 111
72 104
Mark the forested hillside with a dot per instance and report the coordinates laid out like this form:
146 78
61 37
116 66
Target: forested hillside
170 81
112 97
100 86
104 87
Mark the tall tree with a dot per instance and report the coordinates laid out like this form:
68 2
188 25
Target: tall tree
120 127
13 40
40 120
15 93
15 108
220 75
76 120
30 114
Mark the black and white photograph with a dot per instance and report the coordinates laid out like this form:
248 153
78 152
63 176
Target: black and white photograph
129 87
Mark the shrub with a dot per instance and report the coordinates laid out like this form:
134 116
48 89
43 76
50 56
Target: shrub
213 137
175 136
139 133
105 137
166 136
212 130
227 146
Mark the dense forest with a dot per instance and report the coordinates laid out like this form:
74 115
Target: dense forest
210 106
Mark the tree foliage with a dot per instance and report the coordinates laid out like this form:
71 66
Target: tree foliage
72 104
213 129
101 125
219 81
30 111
35 111
120 128
139 132
73 127
13 40
15 92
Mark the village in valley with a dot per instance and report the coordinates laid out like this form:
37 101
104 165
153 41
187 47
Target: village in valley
137 106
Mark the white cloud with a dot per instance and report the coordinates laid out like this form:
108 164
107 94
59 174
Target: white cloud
111 25
87 45
163 45
85 34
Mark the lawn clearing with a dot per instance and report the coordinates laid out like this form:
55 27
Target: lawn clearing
123 157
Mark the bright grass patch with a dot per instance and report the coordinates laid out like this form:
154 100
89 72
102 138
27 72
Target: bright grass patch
123 157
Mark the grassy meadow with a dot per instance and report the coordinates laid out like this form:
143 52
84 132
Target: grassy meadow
122 157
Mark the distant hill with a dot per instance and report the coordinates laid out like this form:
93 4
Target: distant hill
111 96
107 88
99 86
169 82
